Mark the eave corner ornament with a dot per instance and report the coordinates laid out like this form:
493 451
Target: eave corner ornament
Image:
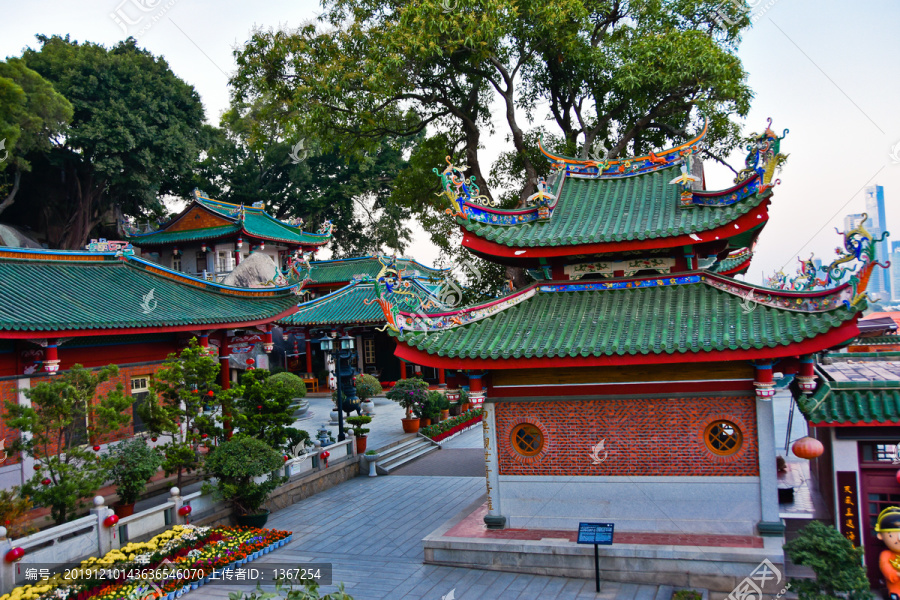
764 157
460 190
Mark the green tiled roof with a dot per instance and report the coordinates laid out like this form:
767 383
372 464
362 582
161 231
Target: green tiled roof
347 305
348 269
686 318
593 211
853 402
730 262
70 291
878 340
188 235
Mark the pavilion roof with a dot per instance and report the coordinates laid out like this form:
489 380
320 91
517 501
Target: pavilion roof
698 315
346 270
357 303
867 401
90 293
216 220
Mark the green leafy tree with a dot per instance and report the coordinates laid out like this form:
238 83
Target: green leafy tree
32 117
235 464
367 386
62 421
263 408
131 464
410 394
836 563
133 138
179 391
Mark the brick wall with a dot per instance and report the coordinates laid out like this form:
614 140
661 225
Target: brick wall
643 437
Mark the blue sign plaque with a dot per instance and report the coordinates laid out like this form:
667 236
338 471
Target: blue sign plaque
595 533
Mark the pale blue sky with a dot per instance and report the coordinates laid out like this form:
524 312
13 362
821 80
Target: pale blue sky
827 70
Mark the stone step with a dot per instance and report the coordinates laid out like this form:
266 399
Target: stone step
414 452
401 448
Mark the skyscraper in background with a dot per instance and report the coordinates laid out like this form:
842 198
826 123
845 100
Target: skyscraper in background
895 271
851 222
880 283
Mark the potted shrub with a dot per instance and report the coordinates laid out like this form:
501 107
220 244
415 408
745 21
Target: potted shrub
443 405
367 387
296 389
132 464
359 431
409 393
235 465
429 411
463 400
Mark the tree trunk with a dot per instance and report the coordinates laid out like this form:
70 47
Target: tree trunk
472 138
11 197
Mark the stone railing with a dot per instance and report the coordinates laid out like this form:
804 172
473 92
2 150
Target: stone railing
72 542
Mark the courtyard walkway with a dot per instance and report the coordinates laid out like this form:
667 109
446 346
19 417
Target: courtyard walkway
371 530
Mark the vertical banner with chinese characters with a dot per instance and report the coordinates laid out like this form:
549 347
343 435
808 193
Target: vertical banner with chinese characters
848 506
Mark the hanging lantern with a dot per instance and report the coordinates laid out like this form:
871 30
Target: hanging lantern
808 448
203 247
240 243
262 245
184 510
325 456
110 521
898 476
46 481
15 555
96 448
175 251
286 458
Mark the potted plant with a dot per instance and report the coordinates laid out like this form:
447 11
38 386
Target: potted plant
409 393
372 458
235 465
359 431
463 400
132 464
429 410
367 387
443 405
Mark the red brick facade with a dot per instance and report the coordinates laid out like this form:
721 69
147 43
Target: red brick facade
643 437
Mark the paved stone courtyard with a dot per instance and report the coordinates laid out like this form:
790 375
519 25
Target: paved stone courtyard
371 530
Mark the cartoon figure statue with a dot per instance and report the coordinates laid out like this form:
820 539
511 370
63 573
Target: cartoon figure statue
888 531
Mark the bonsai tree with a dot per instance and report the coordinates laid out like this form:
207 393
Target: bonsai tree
367 386
293 384
132 462
836 563
179 390
409 393
297 441
263 407
357 424
235 464
64 422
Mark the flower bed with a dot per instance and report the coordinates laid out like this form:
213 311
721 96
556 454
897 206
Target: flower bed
445 429
180 559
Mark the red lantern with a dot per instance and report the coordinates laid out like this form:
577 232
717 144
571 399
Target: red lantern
110 521
204 436
37 467
184 510
808 448
96 448
153 439
286 458
15 555
45 481
898 476
250 361
210 393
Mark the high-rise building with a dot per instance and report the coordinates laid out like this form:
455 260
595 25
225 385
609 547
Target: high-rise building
876 224
895 271
851 222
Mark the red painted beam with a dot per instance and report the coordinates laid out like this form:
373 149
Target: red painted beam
836 336
65 333
754 218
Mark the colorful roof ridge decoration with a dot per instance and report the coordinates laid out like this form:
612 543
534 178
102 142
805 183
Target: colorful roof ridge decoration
229 220
660 319
358 268
89 293
859 245
852 403
735 263
358 303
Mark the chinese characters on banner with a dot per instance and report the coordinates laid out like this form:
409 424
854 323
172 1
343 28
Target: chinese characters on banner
848 506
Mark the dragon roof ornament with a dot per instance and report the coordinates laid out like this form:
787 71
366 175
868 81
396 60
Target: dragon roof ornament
859 247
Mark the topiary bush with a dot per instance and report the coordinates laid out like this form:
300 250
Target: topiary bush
132 464
293 384
235 464
836 563
367 386
409 393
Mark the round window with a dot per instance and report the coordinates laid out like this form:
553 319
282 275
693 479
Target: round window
527 439
723 438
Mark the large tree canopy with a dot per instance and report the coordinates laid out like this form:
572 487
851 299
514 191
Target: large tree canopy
132 138
251 158
32 115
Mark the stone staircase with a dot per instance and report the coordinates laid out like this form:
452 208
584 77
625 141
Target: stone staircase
404 452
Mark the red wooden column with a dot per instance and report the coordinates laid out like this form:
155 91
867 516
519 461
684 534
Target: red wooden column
225 382
765 380
402 368
51 357
204 339
442 377
309 356
806 379
452 383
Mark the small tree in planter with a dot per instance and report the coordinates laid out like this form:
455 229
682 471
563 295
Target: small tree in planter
132 463
63 423
410 394
263 407
235 464
430 407
359 431
367 387
836 563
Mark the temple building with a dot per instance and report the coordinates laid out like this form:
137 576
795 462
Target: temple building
342 296
209 238
60 308
632 383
